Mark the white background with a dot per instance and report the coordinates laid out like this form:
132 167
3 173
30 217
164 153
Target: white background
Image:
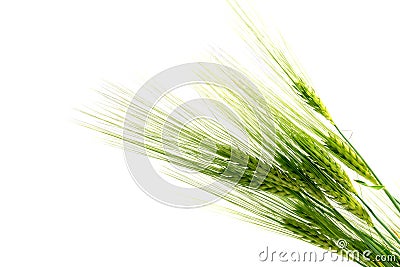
66 199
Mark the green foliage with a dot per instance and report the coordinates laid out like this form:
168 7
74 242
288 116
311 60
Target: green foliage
297 180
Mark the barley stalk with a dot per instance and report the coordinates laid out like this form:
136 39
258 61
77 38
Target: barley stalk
299 194
309 233
349 157
283 183
254 171
343 198
271 179
324 161
311 98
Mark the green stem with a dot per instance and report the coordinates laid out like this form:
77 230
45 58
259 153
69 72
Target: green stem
384 226
371 243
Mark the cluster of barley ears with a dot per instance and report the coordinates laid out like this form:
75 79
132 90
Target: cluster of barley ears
297 174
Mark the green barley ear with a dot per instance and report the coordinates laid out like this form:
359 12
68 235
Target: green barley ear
284 183
309 232
310 188
349 157
325 162
314 229
268 180
323 170
312 99
341 197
